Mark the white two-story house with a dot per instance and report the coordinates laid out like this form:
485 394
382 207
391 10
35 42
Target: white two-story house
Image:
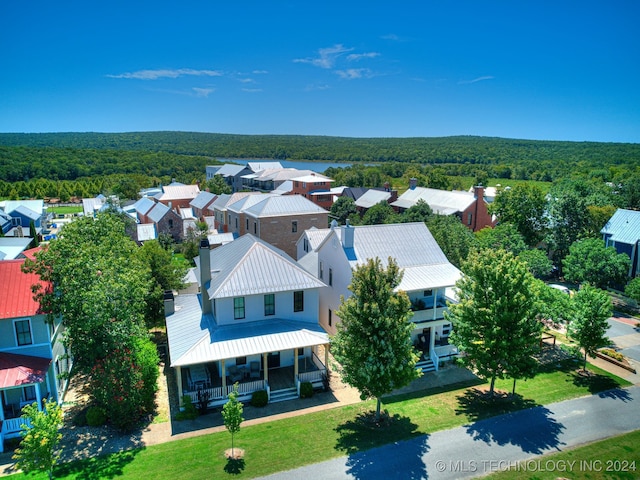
32 356
255 322
428 277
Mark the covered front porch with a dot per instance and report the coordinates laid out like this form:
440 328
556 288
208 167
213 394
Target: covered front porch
280 374
23 381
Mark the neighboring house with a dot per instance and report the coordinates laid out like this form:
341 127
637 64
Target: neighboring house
12 247
178 195
281 219
315 187
142 207
201 203
622 231
219 208
91 206
237 223
231 174
272 179
26 211
374 196
5 222
255 322
428 277
31 352
166 221
470 208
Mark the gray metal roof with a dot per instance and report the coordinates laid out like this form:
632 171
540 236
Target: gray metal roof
158 211
202 200
12 247
623 226
143 205
224 200
279 205
146 231
250 266
26 212
179 191
195 338
247 201
230 170
258 166
443 202
34 205
372 197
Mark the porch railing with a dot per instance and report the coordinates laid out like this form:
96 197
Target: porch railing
428 314
218 395
11 427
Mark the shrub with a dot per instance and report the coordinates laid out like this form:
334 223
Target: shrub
306 390
259 398
190 411
613 354
96 417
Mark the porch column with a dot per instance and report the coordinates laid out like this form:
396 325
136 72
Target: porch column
179 380
326 356
295 363
265 367
432 340
435 303
38 396
224 377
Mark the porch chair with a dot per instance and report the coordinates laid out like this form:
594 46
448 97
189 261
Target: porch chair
255 370
234 373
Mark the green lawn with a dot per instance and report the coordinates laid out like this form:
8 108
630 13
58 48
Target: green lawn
617 457
65 210
293 442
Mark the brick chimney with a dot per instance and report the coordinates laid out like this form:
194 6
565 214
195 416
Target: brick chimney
205 274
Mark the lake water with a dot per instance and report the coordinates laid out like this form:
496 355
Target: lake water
319 167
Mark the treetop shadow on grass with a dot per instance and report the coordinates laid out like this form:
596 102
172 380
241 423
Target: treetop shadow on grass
105 466
234 466
510 419
360 437
432 391
602 385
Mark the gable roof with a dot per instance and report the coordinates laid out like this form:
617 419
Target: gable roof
230 170
91 205
16 296
158 212
16 370
372 197
257 166
313 178
178 192
623 226
33 205
143 205
443 202
279 205
247 201
250 266
202 200
12 247
412 246
226 199
25 212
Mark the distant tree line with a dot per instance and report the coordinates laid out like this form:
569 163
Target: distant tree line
66 156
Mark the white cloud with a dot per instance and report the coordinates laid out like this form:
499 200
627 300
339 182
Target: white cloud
475 80
326 56
353 73
252 90
246 80
166 73
354 57
391 36
260 72
203 92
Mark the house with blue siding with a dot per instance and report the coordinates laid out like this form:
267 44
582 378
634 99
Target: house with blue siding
622 232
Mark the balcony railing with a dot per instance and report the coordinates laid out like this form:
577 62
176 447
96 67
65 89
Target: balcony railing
428 314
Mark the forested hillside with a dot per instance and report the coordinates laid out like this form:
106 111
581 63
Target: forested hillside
74 155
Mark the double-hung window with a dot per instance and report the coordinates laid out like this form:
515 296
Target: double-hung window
23 332
298 301
269 304
238 308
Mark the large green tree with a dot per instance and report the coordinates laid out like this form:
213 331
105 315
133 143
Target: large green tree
589 327
342 209
455 240
379 213
590 261
504 236
524 206
373 341
495 324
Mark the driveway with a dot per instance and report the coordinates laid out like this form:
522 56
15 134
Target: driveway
494 444
626 336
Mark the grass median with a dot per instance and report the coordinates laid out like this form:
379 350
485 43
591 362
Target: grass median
300 440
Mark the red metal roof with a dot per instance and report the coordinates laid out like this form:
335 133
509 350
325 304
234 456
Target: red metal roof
16 295
16 370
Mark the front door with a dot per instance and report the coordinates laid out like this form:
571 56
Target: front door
273 360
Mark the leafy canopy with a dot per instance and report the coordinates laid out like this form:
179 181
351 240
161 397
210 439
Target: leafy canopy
373 342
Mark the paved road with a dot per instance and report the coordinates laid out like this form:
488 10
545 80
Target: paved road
624 333
492 444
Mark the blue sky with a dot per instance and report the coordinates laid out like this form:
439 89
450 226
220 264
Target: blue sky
556 70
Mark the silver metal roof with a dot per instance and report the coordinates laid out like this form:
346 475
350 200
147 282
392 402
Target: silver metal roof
195 338
281 205
250 266
623 226
143 205
372 197
146 231
441 201
202 200
158 211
